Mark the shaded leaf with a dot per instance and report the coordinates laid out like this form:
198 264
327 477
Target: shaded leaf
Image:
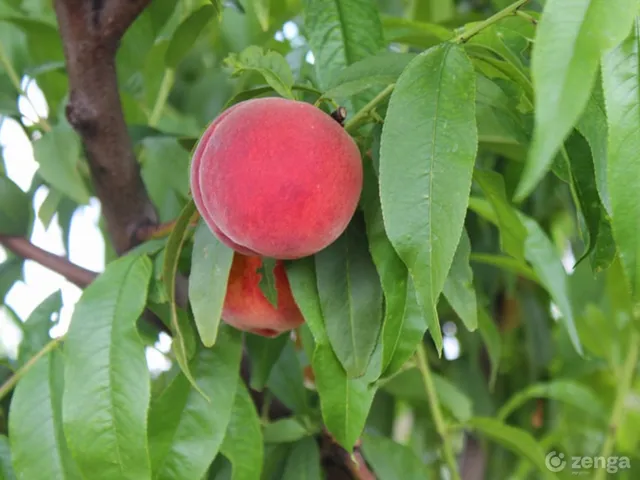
427 154
267 282
570 38
287 381
107 386
546 262
302 278
392 271
15 208
36 328
210 265
6 469
169 271
515 439
388 458
186 430
344 402
566 391
512 232
413 328
350 298
303 462
458 288
58 154
242 443
264 352
284 431
38 445
491 338
187 33
340 33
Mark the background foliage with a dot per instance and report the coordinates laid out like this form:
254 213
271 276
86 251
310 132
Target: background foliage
493 264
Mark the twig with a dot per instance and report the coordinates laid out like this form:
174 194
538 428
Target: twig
624 386
24 248
438 418
22 371
505 12
363 113
161 230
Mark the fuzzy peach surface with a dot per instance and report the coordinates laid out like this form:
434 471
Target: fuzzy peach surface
276 178
245 306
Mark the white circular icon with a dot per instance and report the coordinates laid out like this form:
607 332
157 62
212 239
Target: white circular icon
555 461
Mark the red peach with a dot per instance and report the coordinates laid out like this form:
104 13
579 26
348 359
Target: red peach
276 178
245 306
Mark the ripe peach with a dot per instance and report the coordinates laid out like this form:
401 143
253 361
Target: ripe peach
245 306
276 178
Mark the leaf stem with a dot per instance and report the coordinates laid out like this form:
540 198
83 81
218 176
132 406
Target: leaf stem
477 28
368 108
624 385
22 371
434 405
526 16
163 94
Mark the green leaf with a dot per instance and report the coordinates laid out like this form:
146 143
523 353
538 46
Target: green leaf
36 328
413 328
546 262
584 183
411 32
593 126
388 458
566 391
491 338
267 282
605 250
621 76
512 232
271 65
340 33
427 152
15 208
264 352
515 439
186 430
571 37
458 288
242 443
6 469
285 431
303 462
302 278
505 263
210 265
38 446
351 298
286 381
107 384
344 402
392 271
169 271
261 7
10 273
376 71
409 386
58 154
187 33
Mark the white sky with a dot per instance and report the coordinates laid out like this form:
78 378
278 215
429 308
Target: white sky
85 240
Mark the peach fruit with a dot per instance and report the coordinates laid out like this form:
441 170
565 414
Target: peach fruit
276 178
245 306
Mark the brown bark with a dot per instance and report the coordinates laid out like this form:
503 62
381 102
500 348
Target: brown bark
91 32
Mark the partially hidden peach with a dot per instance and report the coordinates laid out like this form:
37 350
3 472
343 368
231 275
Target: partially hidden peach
245 306
276 178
